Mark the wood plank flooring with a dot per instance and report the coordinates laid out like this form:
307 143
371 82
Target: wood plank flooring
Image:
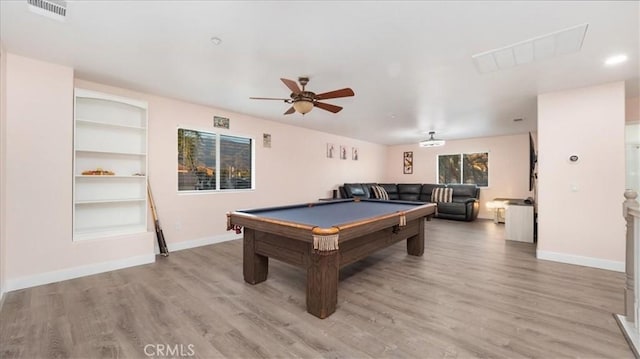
473 294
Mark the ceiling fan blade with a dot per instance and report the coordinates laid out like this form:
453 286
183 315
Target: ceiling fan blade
290 111
292 85
328 107
269 98
345 92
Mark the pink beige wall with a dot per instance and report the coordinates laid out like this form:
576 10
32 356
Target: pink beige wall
579 204
39 140
39 130
508 165
632 110
3 122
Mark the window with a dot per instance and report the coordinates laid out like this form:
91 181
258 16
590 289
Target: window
468 168
235 162
210 162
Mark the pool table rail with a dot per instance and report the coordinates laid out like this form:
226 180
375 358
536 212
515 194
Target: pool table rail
346 231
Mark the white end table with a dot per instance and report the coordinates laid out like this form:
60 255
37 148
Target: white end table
517 216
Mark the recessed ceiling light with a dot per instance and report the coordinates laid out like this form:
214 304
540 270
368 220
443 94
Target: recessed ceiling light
216 40
615 60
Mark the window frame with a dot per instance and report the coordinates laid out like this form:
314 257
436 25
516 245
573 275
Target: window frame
218 135
461 154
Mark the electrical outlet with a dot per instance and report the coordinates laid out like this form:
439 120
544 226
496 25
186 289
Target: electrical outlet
178 226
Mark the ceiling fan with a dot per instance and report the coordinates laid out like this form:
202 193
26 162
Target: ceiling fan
304 101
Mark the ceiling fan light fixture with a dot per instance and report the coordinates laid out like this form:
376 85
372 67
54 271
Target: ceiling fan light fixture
303 101
431 142
303 106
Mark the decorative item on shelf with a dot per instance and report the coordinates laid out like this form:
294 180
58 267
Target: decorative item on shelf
354 153
408 163
221 122
138 174
431 142
331 148
98 172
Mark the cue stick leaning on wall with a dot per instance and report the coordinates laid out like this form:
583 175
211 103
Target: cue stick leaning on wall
164 251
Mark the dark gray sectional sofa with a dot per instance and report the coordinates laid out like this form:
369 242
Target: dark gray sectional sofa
464 206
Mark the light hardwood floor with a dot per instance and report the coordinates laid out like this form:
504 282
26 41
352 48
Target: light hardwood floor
473 294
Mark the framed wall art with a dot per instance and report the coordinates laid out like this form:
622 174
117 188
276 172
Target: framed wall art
331 149
220 122
408 163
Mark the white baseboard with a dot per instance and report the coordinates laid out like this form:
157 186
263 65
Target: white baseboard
174 247
75 272
81 271
630 333
581 261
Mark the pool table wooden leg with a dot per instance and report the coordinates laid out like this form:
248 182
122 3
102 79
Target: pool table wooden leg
254 266
322 283
415 244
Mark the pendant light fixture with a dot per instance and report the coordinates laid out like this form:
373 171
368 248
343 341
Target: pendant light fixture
431 142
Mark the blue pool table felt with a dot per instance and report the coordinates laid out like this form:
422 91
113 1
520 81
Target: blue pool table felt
329 214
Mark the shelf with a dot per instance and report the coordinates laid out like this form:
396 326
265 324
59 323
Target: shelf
111 152
124 200
110 231
106 124
105 176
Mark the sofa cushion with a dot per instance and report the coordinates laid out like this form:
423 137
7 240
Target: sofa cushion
392 190
379 192
463 190
356 190
451 208
442 195
427 190
409 191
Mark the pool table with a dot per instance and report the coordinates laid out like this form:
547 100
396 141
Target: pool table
325 236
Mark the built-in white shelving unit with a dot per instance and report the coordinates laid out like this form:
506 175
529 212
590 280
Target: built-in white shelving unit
110 133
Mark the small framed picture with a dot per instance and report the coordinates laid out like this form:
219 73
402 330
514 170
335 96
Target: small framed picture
266 140
220 122
354 153
408 163
331 149
343 152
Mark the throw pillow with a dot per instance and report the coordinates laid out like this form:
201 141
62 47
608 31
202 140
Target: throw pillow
441 194
357 192
380 193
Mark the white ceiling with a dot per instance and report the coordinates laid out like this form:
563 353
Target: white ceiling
409 63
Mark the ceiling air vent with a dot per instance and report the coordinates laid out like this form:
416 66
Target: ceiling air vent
54 9
539 48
